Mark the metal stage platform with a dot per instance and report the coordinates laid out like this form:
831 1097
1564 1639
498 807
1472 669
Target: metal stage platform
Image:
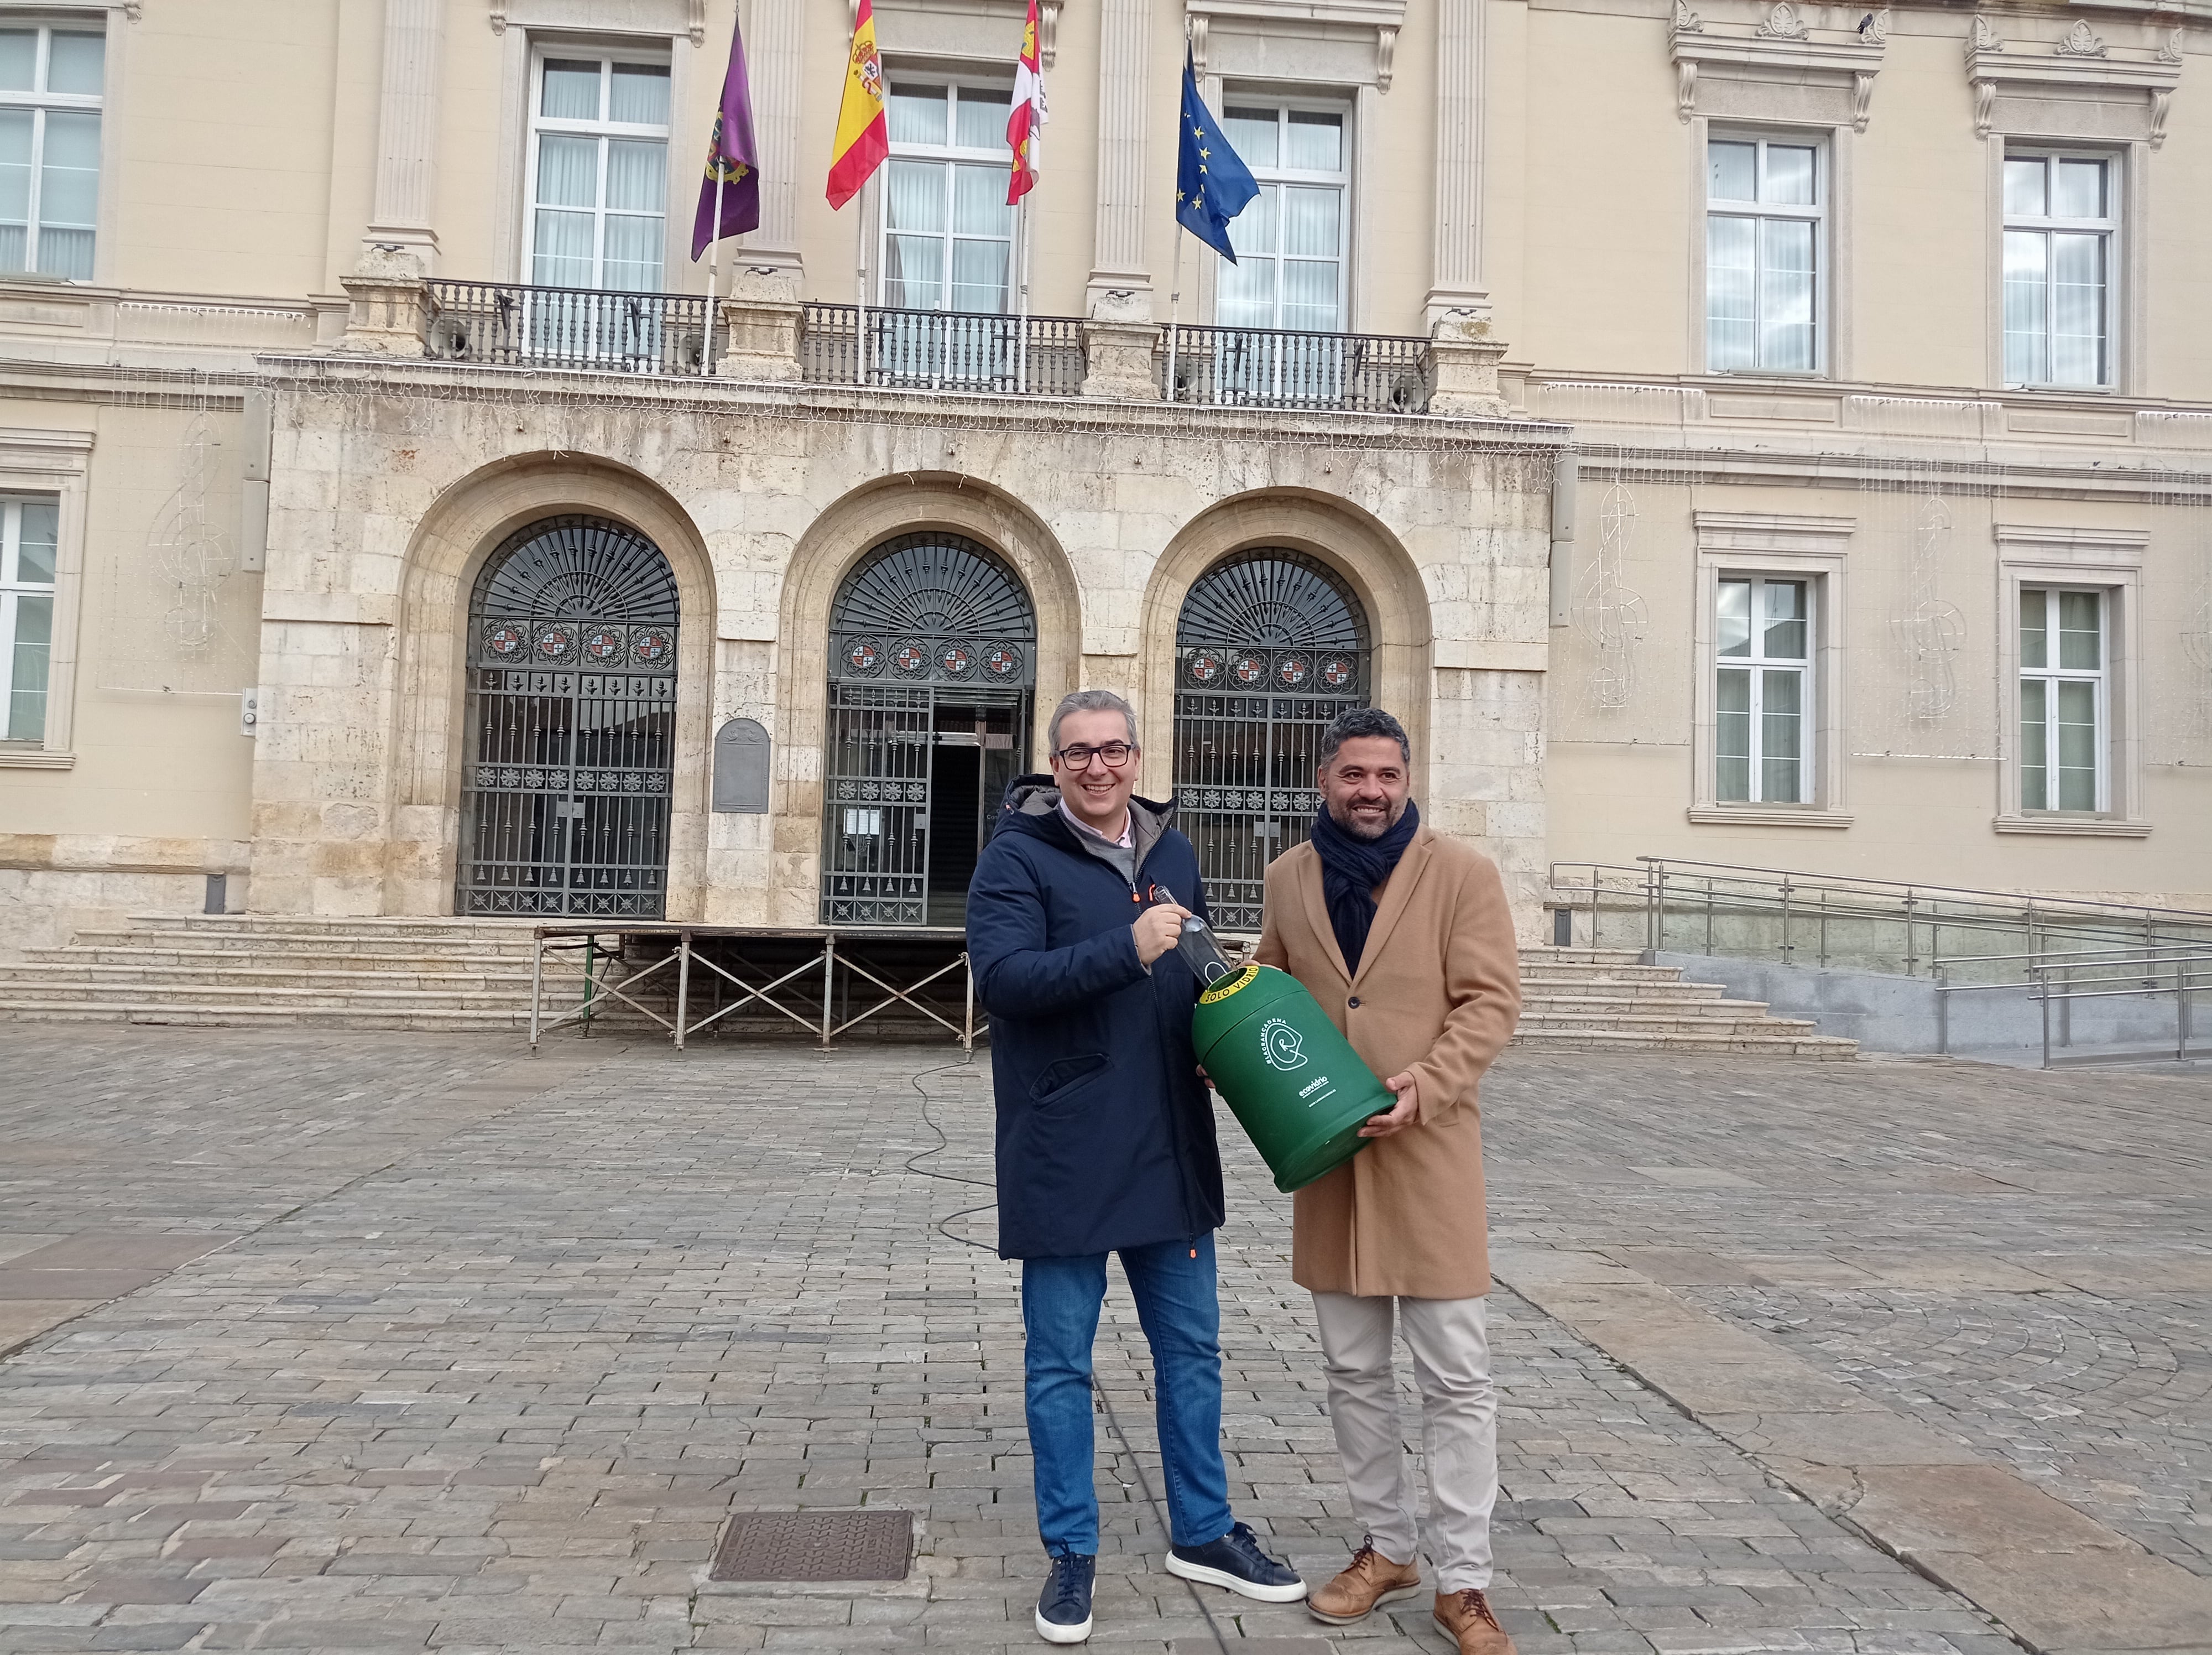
694 979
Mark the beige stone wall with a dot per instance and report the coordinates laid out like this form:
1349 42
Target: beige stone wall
244 145
387 501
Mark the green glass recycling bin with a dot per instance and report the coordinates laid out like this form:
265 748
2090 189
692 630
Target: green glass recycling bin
1295 1084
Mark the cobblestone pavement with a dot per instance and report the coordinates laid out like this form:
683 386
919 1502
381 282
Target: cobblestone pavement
2022 1261
493 1345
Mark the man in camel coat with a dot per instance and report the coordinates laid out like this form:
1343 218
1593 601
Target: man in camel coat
1406 939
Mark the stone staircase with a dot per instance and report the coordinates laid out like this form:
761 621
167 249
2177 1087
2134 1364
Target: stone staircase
269 971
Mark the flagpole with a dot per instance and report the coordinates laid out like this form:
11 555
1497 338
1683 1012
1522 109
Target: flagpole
860 340
1022 346
714 267
1174 313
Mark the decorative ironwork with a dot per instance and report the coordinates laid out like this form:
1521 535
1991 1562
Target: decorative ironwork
572 717
1283 368
932 659
515 324
942 350
1271 647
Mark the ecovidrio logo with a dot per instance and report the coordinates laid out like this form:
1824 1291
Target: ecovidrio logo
1282 1045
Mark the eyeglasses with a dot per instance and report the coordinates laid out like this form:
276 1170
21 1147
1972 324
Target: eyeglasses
1079 757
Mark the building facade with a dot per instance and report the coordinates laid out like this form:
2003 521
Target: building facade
1766 435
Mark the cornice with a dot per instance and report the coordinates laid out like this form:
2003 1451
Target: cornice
1780 46
2079 59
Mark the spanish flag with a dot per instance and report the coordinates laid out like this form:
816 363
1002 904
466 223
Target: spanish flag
863 135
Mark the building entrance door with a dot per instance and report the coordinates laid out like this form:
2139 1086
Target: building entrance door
571 724
1270 646
932 647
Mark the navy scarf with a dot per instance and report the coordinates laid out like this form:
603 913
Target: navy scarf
1351 868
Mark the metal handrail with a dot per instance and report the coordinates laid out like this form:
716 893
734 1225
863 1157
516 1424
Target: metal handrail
1813 906
941 349
612 330
1291 367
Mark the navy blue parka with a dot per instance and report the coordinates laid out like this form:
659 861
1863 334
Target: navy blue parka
1105 1132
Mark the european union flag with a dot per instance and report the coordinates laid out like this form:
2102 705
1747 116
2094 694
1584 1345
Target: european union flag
1213 183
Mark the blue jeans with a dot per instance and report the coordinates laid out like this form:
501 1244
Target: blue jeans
1180 1310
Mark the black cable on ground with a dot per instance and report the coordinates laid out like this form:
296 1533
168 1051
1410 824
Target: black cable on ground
1113 1420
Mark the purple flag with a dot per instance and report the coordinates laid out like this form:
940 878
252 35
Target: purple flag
732 161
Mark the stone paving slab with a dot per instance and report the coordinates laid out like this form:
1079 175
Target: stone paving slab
499 1346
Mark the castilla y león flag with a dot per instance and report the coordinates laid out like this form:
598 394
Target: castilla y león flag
863 135
1027 117
730 193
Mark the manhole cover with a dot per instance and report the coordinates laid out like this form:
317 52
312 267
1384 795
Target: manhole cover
872 1545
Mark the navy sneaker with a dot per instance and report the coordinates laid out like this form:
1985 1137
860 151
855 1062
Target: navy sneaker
1063 1611
1236 1561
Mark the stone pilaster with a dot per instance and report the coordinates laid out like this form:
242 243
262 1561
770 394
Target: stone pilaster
1456 279
760 324
1117 259
775 60
407 129
1120 346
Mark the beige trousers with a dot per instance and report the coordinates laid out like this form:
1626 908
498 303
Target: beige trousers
1459 1419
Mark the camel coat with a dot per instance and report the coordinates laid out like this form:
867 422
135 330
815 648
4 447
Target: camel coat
1437 994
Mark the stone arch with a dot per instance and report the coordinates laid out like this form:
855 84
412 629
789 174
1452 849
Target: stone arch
1356 545
833 545
464 526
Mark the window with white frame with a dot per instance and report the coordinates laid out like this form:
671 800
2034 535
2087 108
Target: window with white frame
51 79
2062 219
948 234
1292 241
29 536
2063 699
1766 240
598 166
1763 691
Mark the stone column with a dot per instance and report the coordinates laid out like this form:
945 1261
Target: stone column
388 312
774 59
1455 282
407 130
1117 267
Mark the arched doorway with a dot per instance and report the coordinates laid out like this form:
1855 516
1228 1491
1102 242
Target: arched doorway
1271 645
571 724
932 666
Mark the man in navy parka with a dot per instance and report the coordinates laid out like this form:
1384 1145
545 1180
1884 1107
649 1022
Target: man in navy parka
1105 1141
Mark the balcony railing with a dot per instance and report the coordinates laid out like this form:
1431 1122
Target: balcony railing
1274 368
514 325
570 327
942 350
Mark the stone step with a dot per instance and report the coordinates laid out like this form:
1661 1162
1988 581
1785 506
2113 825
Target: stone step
249 971
1769 1045
156 978
227 960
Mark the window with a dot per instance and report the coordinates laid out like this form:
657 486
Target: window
29 544
1290 242
599 161
1763 698
2061 213
2063 717
1766 203
50 88
948 232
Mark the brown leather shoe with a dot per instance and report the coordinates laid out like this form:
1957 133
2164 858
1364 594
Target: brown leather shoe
1466 1615
1369 1580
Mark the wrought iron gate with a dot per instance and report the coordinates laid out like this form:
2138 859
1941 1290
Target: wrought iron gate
1270 646
932 648
572 721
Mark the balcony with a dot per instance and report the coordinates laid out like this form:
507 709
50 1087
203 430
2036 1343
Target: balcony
771 335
